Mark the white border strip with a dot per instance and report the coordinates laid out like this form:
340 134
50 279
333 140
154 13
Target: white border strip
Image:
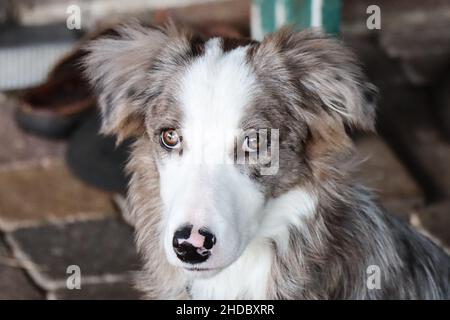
316 13
280 13
256 22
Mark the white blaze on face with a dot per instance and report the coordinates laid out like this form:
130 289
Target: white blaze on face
203 187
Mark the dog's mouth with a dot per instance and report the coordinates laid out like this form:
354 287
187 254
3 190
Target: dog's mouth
198 272
195 269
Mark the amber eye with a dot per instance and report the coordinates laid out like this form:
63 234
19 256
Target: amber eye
170 139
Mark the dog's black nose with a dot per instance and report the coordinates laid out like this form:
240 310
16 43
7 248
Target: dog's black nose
210 239
193 246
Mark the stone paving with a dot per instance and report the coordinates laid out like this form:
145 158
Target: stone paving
49 220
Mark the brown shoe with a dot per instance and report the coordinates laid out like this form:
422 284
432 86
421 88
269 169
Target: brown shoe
55 107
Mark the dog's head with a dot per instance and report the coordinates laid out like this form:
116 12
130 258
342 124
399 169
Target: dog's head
240 133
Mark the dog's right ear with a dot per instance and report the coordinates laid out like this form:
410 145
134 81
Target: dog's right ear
323 72
118 68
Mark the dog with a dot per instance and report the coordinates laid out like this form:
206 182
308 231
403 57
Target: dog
216 218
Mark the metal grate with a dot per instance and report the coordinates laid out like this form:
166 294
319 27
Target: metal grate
25 66
28 53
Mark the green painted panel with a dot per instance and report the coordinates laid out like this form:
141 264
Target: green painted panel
299 14
267 10
331 16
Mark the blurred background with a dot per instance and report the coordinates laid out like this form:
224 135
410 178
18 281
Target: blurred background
61 185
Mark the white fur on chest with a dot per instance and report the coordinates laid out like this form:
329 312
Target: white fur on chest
247 278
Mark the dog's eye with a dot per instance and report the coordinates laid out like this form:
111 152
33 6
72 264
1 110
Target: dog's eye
250 144
170 139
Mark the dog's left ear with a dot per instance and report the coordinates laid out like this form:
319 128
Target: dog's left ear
119 67
323 74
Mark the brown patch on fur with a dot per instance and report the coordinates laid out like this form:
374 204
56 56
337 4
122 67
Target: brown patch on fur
131 126
328 148
197 45
229 44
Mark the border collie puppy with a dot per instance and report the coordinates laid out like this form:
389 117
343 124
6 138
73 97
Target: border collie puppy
241 184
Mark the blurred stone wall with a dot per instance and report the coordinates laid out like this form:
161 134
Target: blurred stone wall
38 12
416 32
